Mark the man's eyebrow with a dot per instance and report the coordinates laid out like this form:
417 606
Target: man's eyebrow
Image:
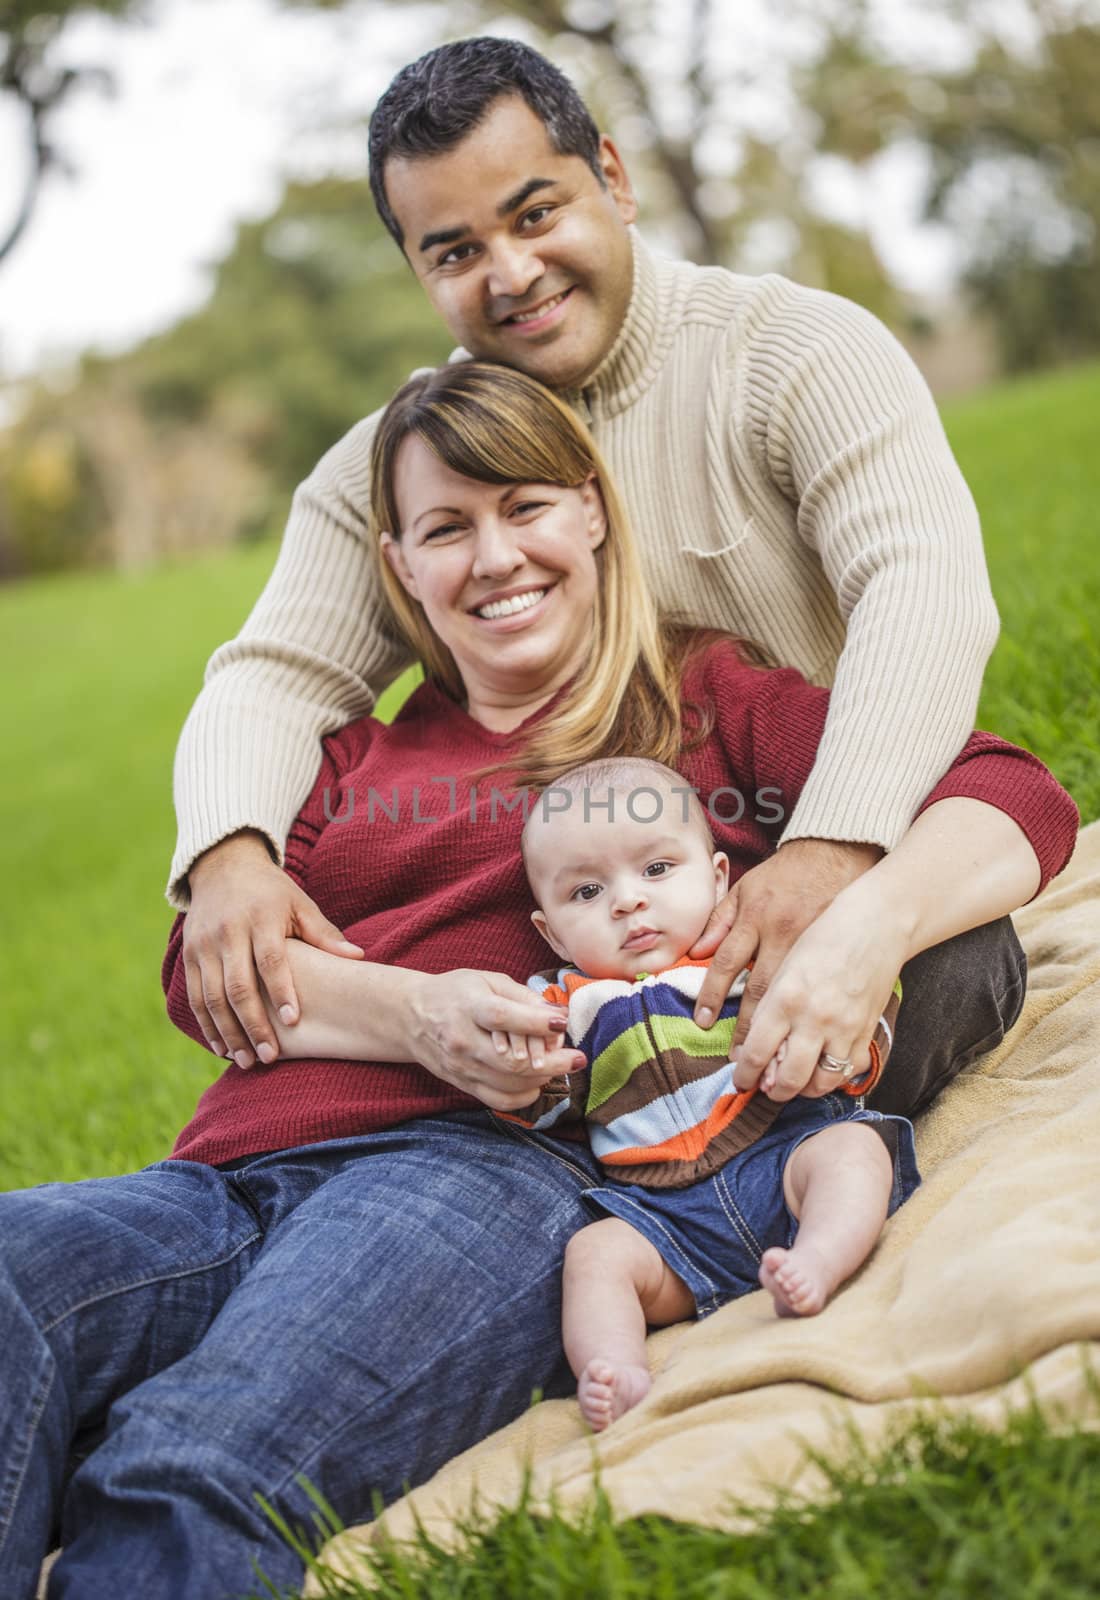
444 236
514 201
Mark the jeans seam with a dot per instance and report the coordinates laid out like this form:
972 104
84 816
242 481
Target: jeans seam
145 1283
517 1133
736 1217
36 1418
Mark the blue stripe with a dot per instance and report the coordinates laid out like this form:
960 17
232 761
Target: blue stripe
665 1117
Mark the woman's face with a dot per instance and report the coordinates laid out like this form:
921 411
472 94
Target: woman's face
506 576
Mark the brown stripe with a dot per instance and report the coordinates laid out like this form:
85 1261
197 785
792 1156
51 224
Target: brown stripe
658 1075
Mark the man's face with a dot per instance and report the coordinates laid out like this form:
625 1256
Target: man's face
523 253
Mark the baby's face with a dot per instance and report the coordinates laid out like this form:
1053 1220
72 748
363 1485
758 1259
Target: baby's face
619 897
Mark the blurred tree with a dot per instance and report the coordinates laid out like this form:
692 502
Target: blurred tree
1013 146
198 436
30 73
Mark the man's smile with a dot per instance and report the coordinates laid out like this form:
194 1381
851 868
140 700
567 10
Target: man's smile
535 318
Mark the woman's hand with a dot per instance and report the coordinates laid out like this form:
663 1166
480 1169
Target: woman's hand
827 996
458 1022
243 910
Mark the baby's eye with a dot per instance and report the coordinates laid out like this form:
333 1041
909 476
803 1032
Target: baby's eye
586 891
657 869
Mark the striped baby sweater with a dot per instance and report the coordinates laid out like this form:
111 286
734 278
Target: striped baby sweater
657 1095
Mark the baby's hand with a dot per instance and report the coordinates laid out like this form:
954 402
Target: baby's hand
771 1071
527 1049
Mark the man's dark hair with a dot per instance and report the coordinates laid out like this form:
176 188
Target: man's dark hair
438 100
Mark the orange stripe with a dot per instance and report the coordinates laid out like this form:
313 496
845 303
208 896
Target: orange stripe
865 1084
688 1145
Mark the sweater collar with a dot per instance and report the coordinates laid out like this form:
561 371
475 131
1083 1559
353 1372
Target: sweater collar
643 342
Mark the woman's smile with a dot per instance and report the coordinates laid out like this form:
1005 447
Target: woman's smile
519 609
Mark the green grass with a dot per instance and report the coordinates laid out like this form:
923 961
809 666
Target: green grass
101 671
945 1510
1029 451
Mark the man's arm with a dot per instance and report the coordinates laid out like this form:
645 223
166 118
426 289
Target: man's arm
841 421
313 654
847 430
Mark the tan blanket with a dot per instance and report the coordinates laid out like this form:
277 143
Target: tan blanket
994 1265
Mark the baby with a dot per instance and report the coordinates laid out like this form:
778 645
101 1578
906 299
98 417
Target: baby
708 1191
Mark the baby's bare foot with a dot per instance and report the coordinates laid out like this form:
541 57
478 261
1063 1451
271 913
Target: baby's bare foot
797 1281
606 1391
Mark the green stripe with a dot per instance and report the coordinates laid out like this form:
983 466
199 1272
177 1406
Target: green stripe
680 1033
614 1066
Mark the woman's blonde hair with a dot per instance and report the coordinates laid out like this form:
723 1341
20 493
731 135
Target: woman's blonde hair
499 426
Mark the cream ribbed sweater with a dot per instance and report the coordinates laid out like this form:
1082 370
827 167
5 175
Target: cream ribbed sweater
787 477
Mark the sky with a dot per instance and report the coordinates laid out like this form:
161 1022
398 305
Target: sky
216 103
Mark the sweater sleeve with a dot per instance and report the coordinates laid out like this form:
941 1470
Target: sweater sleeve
339 755
771 724
850 434
306 661
562 1101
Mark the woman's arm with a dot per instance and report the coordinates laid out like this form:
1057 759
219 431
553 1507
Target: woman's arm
962 863
444 1021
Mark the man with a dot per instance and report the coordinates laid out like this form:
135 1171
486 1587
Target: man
788 479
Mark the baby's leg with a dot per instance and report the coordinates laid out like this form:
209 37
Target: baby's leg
615 1283
838 1186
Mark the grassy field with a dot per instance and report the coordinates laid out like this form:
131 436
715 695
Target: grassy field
100 673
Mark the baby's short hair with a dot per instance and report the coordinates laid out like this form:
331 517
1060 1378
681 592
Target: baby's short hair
635 774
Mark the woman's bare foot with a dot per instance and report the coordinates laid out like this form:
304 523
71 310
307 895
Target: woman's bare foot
605 1392
797 1280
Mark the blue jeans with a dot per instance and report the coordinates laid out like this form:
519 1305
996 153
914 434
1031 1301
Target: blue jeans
173 1341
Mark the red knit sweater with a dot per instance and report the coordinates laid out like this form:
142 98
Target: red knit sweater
407 874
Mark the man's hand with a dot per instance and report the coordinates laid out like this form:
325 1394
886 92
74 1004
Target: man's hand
243 910
489 1036
763 915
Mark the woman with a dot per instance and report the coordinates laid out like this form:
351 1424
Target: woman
349 1269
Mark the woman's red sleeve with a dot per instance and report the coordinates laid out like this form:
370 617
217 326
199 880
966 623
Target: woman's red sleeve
341 752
